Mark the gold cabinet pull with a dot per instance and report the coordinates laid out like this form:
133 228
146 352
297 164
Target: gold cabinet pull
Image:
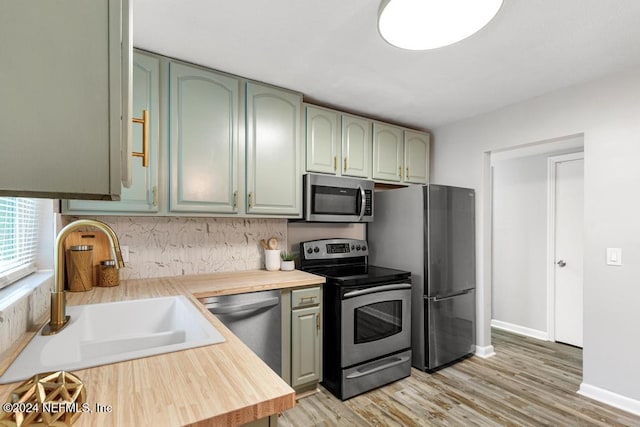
235 199
144 121
407 175
155 195
400 171
345 164
318 323
335 163
251 199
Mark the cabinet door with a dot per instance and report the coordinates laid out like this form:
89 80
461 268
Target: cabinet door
142 195
203 142
273 121
305 345
322 139
65 78
356 146
387 152
416 157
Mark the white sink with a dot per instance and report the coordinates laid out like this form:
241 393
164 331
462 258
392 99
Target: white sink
100 334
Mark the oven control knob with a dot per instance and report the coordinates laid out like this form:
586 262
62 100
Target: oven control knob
352 247
364 248
309 251
316 249
358 248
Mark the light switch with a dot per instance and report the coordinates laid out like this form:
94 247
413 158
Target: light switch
614 256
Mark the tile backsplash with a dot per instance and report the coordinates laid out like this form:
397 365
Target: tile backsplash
174 246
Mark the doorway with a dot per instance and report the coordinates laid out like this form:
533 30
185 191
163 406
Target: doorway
565 220
520 253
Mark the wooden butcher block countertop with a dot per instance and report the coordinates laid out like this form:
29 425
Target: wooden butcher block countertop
222 384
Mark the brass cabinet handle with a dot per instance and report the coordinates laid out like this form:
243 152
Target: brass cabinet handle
310 299
335 163
400 171
251 199
407 175
235 199
318 323
345 164
144 121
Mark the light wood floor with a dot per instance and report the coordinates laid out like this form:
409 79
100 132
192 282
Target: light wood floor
528 383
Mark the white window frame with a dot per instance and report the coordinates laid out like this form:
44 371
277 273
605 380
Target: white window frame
20 262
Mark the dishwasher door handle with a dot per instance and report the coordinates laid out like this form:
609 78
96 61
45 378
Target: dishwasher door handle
232 308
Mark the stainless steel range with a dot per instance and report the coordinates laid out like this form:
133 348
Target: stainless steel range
367 317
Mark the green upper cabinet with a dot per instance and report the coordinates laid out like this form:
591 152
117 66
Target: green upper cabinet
65 69
273 132
416 157
322 139
356 146
387 152
142 196
203 141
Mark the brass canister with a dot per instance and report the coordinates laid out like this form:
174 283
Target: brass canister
109 274
80 268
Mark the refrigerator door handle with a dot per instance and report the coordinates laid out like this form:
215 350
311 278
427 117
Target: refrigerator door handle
438 299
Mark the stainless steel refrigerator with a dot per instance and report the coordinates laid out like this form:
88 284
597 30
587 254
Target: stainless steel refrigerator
430 231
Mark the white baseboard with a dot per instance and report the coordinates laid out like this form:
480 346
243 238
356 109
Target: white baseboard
610 398
485 352
521 330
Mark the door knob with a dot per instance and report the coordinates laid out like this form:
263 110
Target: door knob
561 263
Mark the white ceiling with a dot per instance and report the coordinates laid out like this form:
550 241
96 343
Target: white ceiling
330 51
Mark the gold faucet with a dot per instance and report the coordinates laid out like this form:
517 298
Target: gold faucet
59 319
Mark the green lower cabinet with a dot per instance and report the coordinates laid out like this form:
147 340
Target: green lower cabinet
305 346
302 338
271 421
142 196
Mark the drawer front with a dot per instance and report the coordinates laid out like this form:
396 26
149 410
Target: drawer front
305 297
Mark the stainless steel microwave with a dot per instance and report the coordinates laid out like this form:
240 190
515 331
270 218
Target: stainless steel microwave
337 199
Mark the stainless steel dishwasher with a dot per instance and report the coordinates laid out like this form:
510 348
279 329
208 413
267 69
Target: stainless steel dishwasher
255 318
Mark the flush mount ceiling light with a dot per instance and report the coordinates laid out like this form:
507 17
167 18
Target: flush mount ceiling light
429 24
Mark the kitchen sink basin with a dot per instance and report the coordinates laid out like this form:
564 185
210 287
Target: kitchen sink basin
100 334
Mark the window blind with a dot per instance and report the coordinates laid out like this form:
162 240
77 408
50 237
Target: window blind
18 238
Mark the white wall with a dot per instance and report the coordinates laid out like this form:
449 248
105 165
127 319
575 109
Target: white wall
607 112
519 294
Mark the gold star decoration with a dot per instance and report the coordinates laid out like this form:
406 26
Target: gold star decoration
50 398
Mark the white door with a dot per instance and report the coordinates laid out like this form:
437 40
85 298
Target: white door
569 196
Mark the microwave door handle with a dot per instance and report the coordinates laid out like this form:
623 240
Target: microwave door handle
362 202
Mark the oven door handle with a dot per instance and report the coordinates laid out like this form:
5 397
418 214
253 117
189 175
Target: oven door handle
395 361
376 289
232 308
363 202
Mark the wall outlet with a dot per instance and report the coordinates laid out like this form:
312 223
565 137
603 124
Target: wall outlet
124 250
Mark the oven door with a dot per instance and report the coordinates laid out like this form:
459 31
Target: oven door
376 321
